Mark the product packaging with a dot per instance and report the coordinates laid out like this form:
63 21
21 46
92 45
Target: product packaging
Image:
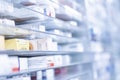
8 22
5 64
17 44
23 63
33 45
2 43
73 47
48 74
66 59
50 61
43 44
58 60
14 63
37 62
39 75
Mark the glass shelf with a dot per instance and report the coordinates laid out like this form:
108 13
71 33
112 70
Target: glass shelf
14 32
35 70
38 53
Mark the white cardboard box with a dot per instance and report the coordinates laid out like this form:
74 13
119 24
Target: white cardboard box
50 74
8 22
2 43
37 62
39 75
66 59
58 60
5 64
50 61
14 63
73 47
23 63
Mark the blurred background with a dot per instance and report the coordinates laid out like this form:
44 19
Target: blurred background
59 40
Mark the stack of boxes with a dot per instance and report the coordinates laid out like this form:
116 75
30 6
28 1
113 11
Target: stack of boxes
44 44
15 64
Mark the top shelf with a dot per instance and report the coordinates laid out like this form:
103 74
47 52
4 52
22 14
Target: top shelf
24 13
62 12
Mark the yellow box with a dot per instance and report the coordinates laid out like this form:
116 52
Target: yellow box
2 43
17 44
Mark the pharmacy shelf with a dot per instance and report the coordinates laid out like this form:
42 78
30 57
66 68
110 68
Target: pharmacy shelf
14 32
35 70
70 76
38 53
63 12
23 14
53 23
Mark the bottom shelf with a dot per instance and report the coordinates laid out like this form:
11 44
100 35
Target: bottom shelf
26 72
71 76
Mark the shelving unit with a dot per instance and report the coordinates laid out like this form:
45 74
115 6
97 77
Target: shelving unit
35 70
76 65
